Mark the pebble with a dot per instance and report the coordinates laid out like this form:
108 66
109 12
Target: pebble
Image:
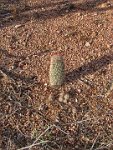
76 100
87 44
65 101
64 97
43 8
61 97
108 46
103 5
74 110
18 25
45 84
79 14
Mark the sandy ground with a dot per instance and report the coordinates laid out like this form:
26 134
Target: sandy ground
77 116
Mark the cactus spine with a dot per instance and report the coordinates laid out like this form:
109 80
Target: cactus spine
56 72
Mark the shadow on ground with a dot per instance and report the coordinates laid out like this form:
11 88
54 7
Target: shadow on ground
11 73
48 11
75 74
89 68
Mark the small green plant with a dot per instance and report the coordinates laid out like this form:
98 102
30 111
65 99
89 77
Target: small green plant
56 72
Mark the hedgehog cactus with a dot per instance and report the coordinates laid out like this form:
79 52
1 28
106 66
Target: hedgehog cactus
56 72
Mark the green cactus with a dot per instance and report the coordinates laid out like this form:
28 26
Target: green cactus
56 72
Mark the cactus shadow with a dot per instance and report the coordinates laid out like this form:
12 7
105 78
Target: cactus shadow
89 68
51 10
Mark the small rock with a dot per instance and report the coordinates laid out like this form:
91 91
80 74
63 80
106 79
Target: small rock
45 84
57 119
79 14
61 97
51 97
65 101
76 100
18 25
74 110
69 103
43 8
87 44
66 96
103 5
108 46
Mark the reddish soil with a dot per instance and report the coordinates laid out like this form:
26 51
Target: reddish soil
78 115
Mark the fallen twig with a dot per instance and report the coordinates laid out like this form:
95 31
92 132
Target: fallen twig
42 134
32 145
104 147
94 142
42 142
27 38
61 129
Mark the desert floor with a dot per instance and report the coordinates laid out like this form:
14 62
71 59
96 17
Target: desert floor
79 114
